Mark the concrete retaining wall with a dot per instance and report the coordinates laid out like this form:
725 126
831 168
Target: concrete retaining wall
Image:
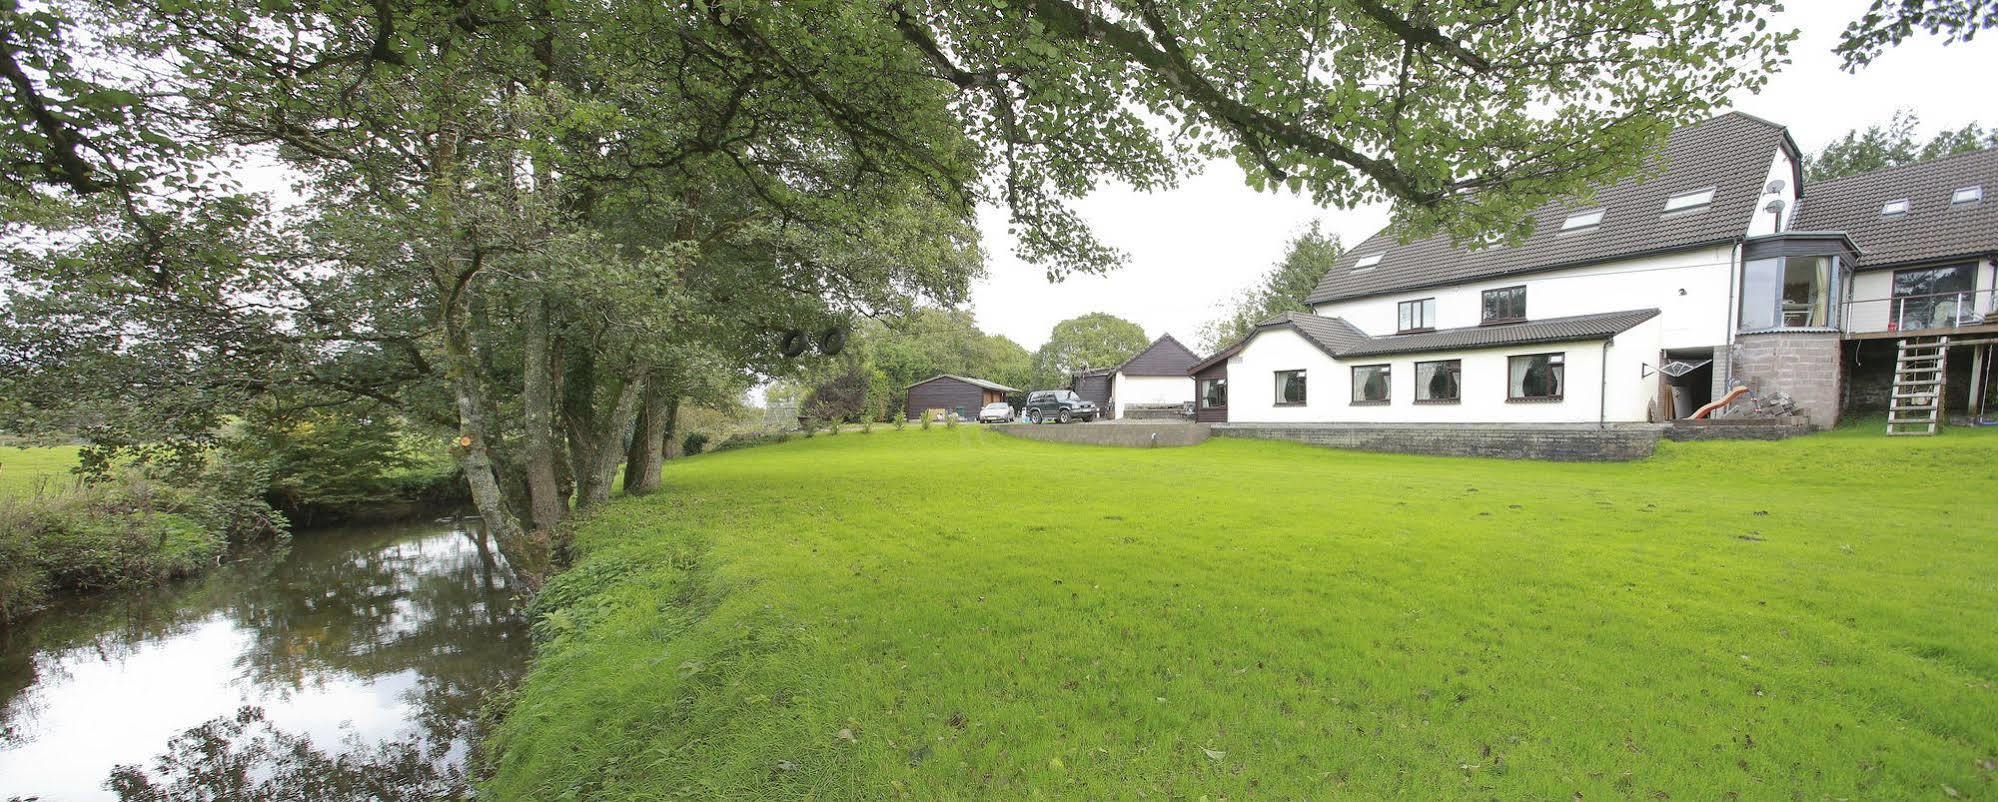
1131 434
1558 442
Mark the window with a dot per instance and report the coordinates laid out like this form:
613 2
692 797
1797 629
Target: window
1967 195
1535 377
1506 305
1213 393
1417 315
1934 297
1367 262
1894 207
1788 292
1579 220
1289 388
1688 200
1438 382
1370 384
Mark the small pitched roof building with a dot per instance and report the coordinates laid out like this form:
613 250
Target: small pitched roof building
961 395
1154 377
1716 266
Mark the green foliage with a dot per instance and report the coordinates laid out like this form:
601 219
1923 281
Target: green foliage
1306 260
1888 22
693 444
129 531
1094 340
1891 145
821 619
324 462
751 440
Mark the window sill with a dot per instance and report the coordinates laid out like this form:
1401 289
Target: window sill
1381 403
1422 330
1289 404
1501 321
1438 401
1550 399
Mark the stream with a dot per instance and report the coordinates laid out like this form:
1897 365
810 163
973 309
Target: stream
355 635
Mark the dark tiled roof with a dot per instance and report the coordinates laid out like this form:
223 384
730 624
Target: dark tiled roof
1551 330
1932 228
971 381
1330 334
1730 153
1164 357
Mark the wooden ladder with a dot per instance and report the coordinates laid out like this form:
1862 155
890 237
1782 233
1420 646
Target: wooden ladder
1916 406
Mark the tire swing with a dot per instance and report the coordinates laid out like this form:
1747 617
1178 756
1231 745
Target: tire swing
832 341
794 344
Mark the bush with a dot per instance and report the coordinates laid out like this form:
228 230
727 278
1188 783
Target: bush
900 423
751 439
132 530
694 444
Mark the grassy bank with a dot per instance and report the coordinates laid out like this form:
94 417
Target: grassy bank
955 614
26 470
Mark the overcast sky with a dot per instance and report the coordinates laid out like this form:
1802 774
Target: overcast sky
1213 235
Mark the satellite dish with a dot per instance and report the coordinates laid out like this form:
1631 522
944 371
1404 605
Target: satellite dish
1774 207
1774 187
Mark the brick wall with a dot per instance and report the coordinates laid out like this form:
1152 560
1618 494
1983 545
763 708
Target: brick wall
1803 364
1737 429
1557 442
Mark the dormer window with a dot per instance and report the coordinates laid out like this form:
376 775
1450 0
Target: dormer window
1689 200
1894 207
1368 262
1970 194
1582 220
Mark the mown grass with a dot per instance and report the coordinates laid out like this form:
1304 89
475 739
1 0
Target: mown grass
953 614
25 471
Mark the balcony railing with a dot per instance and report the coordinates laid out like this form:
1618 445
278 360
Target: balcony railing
1936 310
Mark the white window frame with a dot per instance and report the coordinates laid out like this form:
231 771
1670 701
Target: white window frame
1581 220
1969 194
1368 262
1894 208
1699 198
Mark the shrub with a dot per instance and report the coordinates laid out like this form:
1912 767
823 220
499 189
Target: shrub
695 443
900 423
950 421
866 425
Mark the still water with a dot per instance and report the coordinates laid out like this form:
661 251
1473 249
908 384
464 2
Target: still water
383 632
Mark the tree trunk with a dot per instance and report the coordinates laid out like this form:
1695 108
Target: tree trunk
606 451
649 439
546 501
526 554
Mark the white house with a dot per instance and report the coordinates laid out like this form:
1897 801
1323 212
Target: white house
1719 267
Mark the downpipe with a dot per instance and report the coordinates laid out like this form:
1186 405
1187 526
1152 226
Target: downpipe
1602 391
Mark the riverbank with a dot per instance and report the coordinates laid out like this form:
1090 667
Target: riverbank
953 614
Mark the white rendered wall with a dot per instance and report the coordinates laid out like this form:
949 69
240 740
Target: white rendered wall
1691 289
1483 392
1768 222
1151 390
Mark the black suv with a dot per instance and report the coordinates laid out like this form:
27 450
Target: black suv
1060 406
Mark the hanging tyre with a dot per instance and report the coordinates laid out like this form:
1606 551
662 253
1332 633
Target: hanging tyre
832 341
794 345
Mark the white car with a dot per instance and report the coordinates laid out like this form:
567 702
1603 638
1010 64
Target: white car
996 412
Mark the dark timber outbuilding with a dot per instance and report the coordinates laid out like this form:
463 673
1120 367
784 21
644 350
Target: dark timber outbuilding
959 394
1094 387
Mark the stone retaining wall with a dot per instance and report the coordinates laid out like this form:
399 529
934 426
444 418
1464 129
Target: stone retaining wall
1737 429
1557 442
1130 434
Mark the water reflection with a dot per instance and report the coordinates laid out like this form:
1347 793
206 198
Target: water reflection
379 633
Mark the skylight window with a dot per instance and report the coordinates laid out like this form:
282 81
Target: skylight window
1690 200
1579 220
1367 262
1970 194
1895 207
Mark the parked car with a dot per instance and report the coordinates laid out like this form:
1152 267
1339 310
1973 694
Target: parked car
1060 406
996 412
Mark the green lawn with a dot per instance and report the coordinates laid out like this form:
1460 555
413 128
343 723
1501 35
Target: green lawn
25 470
954 614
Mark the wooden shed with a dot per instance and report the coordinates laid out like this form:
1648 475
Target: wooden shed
1095 387
960 394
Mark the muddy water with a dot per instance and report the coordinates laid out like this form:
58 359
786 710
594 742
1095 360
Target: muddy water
383 632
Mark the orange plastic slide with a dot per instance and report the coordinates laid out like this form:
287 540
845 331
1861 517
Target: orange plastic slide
1724 401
